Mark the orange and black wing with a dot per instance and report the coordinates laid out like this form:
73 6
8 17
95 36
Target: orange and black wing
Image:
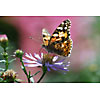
46 37
60 39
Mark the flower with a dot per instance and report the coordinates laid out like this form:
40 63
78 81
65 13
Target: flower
4 41
3 38
9 75
51 62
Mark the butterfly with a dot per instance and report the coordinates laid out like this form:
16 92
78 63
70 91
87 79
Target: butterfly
60 41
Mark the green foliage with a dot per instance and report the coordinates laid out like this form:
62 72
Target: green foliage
10 31
89 74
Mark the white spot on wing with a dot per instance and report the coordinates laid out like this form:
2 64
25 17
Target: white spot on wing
59 28
65 28
62 23
62 45
45 32
55 35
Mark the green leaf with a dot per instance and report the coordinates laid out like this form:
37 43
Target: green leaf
9 48
1 80
18 80
12 60
2 61
35 74
1 69
32 80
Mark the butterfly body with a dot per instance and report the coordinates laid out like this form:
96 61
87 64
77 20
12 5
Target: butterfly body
60 41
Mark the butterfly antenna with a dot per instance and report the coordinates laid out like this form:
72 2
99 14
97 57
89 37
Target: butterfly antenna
35 39
40 39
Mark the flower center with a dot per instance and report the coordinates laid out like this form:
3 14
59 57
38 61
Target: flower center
47 58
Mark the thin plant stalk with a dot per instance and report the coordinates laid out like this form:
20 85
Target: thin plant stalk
24 69
6 59
44 72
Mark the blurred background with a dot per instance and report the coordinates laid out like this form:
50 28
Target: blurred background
85 56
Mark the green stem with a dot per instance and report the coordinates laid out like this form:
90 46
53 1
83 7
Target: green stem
28 76
5 50
41 78
6 59
6 64
44 72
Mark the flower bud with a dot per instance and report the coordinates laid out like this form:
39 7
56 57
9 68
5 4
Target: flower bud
9 75
4 41
19 53
5 54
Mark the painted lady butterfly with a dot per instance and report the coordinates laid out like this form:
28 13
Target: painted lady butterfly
60 42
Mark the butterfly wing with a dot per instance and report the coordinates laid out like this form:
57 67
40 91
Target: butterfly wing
60 39
64 48
62 32
46 37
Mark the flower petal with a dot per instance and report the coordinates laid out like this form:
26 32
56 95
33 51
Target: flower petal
62 60
41 55
63 69
55 58
37 56
32 65
58 66
30 56
68 62
48 68
28 61
53 68
59 63
67 65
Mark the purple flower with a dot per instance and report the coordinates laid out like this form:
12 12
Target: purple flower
51 62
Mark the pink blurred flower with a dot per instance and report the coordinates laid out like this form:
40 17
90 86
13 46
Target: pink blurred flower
3 41
3 38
